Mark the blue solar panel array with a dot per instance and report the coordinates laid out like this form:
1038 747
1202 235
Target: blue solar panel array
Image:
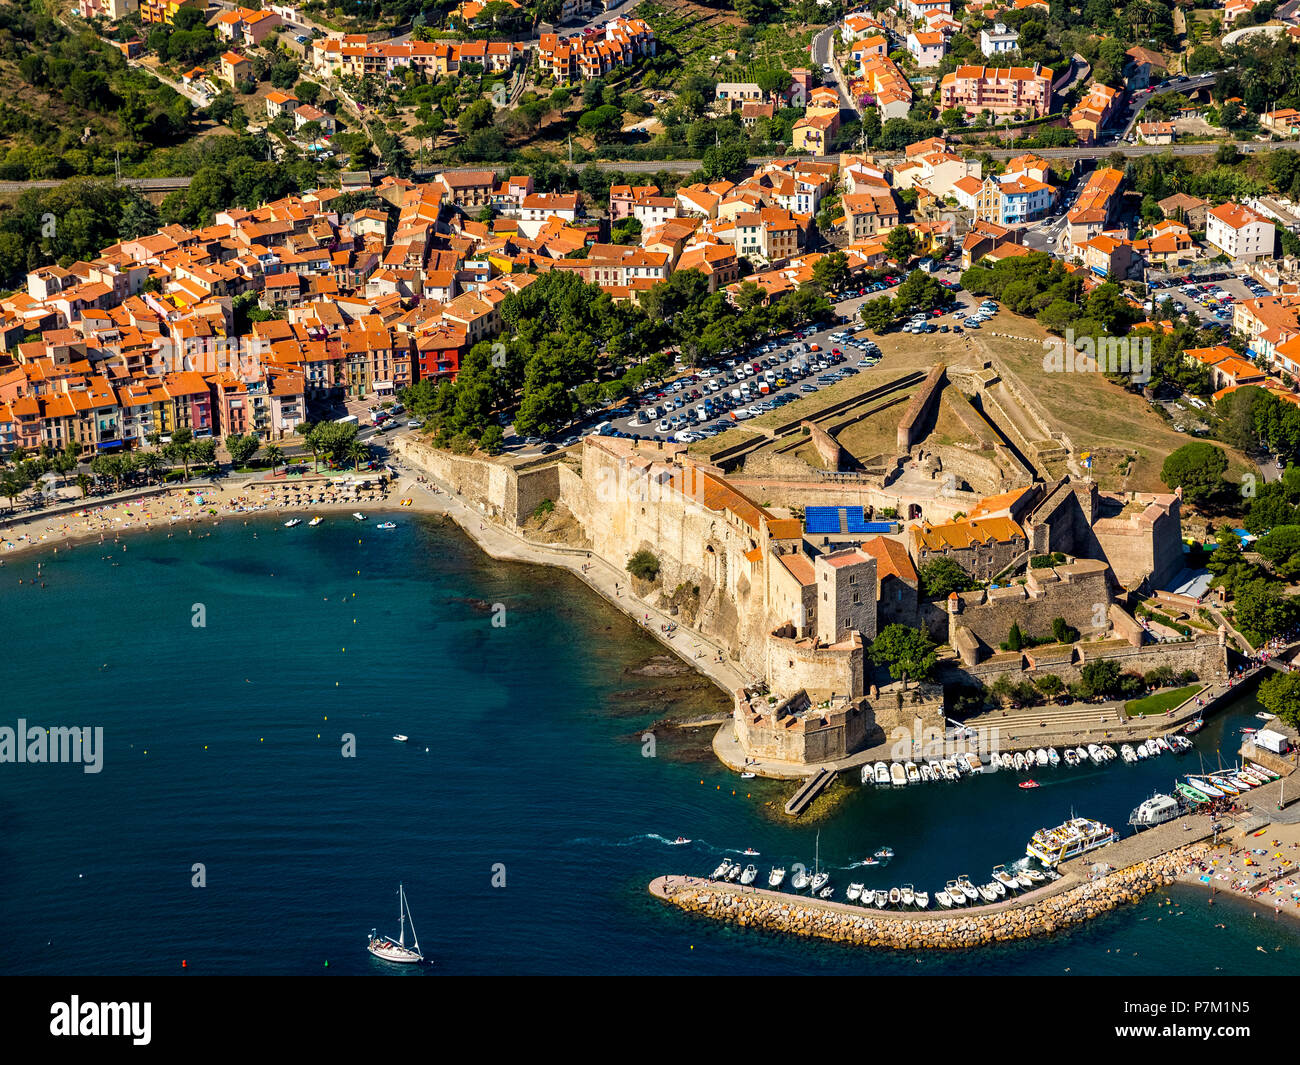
838 521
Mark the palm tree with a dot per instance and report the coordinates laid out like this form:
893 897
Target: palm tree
11 486
358 453
311 440
151 462
274 455
84 481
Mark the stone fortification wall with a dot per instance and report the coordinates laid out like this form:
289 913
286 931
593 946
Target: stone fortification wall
914 417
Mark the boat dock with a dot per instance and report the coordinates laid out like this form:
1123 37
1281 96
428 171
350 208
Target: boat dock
810 789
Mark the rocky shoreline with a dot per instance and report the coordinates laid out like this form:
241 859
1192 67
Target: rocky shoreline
844 923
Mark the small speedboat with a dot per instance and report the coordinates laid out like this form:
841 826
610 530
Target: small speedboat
315 521
1094 754
907 895
950 769
913 773
1180 744
720 873
1040 756
881 899
1071 757
358 515
921 900
734 872
826 893
750 852
998 888
819 881
1029 783
1053 758
926 774
775 877
1109 752
1163 743
882 772
386 525
292 522
972 762
1035 876
987 893
748 776
749 875
1006 761
895 896
1141 751
885 853
1128 754
943 899
854 892
679 841
955 893
1001 875
1019 761
968 889
1022 881
897 774
400 738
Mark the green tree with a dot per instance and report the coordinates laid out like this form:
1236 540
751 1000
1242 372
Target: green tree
644 565
1280 695
1197 468
940 577
906 652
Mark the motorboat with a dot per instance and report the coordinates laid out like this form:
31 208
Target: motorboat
1094 754
913 773
869 861
819 880
943 899
854 892
907 895
679 841
401 738
750 852
897 774
987 893
1036 876
315 521
1006 761
1152 749
972 762
1004 878
881 899
826 893
1082 752
292 522
936 769
1141 751
967 888
775 877
358 515
800 880
1053 759
895 896
1071 757
921 900
882 772
749 875
885 853
1154 811
1077 836
955 893
1023 881
386 525
1180 744
1163 744
1029 784
748 776
720 873
1040 757
1128 754
734 872
868 774
926 775
396 950
1109 752
950 771
1019 761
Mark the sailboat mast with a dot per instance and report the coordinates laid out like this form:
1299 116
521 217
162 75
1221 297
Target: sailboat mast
401 916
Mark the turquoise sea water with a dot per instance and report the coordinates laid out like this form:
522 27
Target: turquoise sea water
223 747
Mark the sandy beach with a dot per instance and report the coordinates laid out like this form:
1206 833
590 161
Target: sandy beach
1258 865
106 520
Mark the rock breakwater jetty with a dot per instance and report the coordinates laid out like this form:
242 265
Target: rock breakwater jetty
1066 903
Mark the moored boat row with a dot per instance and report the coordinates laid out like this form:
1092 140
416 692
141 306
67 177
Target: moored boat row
899 774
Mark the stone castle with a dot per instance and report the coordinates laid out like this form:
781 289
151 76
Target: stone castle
799 615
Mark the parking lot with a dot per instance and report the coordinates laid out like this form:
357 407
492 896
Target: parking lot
1210 300
700 403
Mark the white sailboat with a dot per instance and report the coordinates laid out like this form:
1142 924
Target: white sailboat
397 951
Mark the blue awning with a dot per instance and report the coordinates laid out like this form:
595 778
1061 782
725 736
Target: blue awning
106 445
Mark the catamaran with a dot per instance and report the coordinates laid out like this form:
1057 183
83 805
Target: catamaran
1076 836
397 951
